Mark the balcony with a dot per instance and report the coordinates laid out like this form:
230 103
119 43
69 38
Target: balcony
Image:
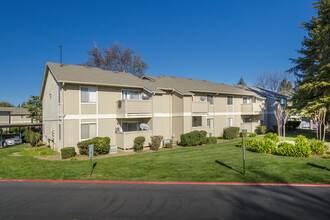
249 126
134 108
125 140
200 107
251 109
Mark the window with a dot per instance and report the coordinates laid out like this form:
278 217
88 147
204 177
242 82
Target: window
229 122
229 100
246 100
130 126
59 94
88 131
197 121
247 120
130 94
210 99
210 123
88 94
283 102
59 132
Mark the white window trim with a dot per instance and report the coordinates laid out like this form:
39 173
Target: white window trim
246 97
137 90
228 123
208 126
90 122
232 100
88 103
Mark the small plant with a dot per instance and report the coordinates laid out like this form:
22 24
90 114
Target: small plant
243 133
261 129
230 133
155 142
253 134
272 136
211 140
31 137
169 145
318 147
139 142
73 158
68 152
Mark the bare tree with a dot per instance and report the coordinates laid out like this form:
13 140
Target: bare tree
271 81
279 117
117 58
285 118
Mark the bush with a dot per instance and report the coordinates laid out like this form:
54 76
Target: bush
243 133
292 125
139 142
253 134
296 150
261 129
155 142
230 133
169 145
300 139
14 130
318 147
193 138
272 136
211 140
101 146
31 137
259 145
68 152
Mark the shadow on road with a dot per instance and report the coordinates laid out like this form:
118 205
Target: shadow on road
317 166
225 165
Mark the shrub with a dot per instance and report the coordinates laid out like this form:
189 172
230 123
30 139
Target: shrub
259 145
169 145
297 150
248 142
155 142
68 152
292 125
101 146
26 135
211 140
14 130
300 139
272 136
253 134
193 138
318 147
230 133
139 142
261 129
243 133
31 137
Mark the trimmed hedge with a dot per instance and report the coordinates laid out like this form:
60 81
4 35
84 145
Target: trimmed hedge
101 146
318 147
155 142
68 152
272 136
139 142
193 138
261 129
211 140
230 133
253 134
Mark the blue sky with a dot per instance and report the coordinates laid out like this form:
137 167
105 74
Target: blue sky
213 40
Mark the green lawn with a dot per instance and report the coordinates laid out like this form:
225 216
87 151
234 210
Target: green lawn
220 162
310 134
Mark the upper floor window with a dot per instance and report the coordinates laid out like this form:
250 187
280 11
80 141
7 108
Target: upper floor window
210 99
229 100
88 130
246 100
131 94
88 94
59 94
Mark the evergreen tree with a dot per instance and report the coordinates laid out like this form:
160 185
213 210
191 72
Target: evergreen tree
313 66
241 82
6 104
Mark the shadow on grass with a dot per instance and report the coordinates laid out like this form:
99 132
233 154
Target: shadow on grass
317 166
225 165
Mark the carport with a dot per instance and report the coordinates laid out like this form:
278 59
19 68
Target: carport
20 126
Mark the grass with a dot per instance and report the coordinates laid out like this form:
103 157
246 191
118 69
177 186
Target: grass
38 151
310 134
219 162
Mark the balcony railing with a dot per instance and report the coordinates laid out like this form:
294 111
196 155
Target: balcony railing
125 140
250 126
251 109
134 108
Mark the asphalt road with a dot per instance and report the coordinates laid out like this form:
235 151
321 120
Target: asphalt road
30 200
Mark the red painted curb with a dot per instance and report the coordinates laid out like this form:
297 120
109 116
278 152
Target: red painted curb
170 183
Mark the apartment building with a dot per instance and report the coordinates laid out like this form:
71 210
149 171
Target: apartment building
81 102
13 115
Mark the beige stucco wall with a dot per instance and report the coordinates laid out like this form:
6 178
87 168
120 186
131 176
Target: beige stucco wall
17 119
4 118
71 99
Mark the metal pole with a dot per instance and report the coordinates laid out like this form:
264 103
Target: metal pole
90 175
60 55
243 155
